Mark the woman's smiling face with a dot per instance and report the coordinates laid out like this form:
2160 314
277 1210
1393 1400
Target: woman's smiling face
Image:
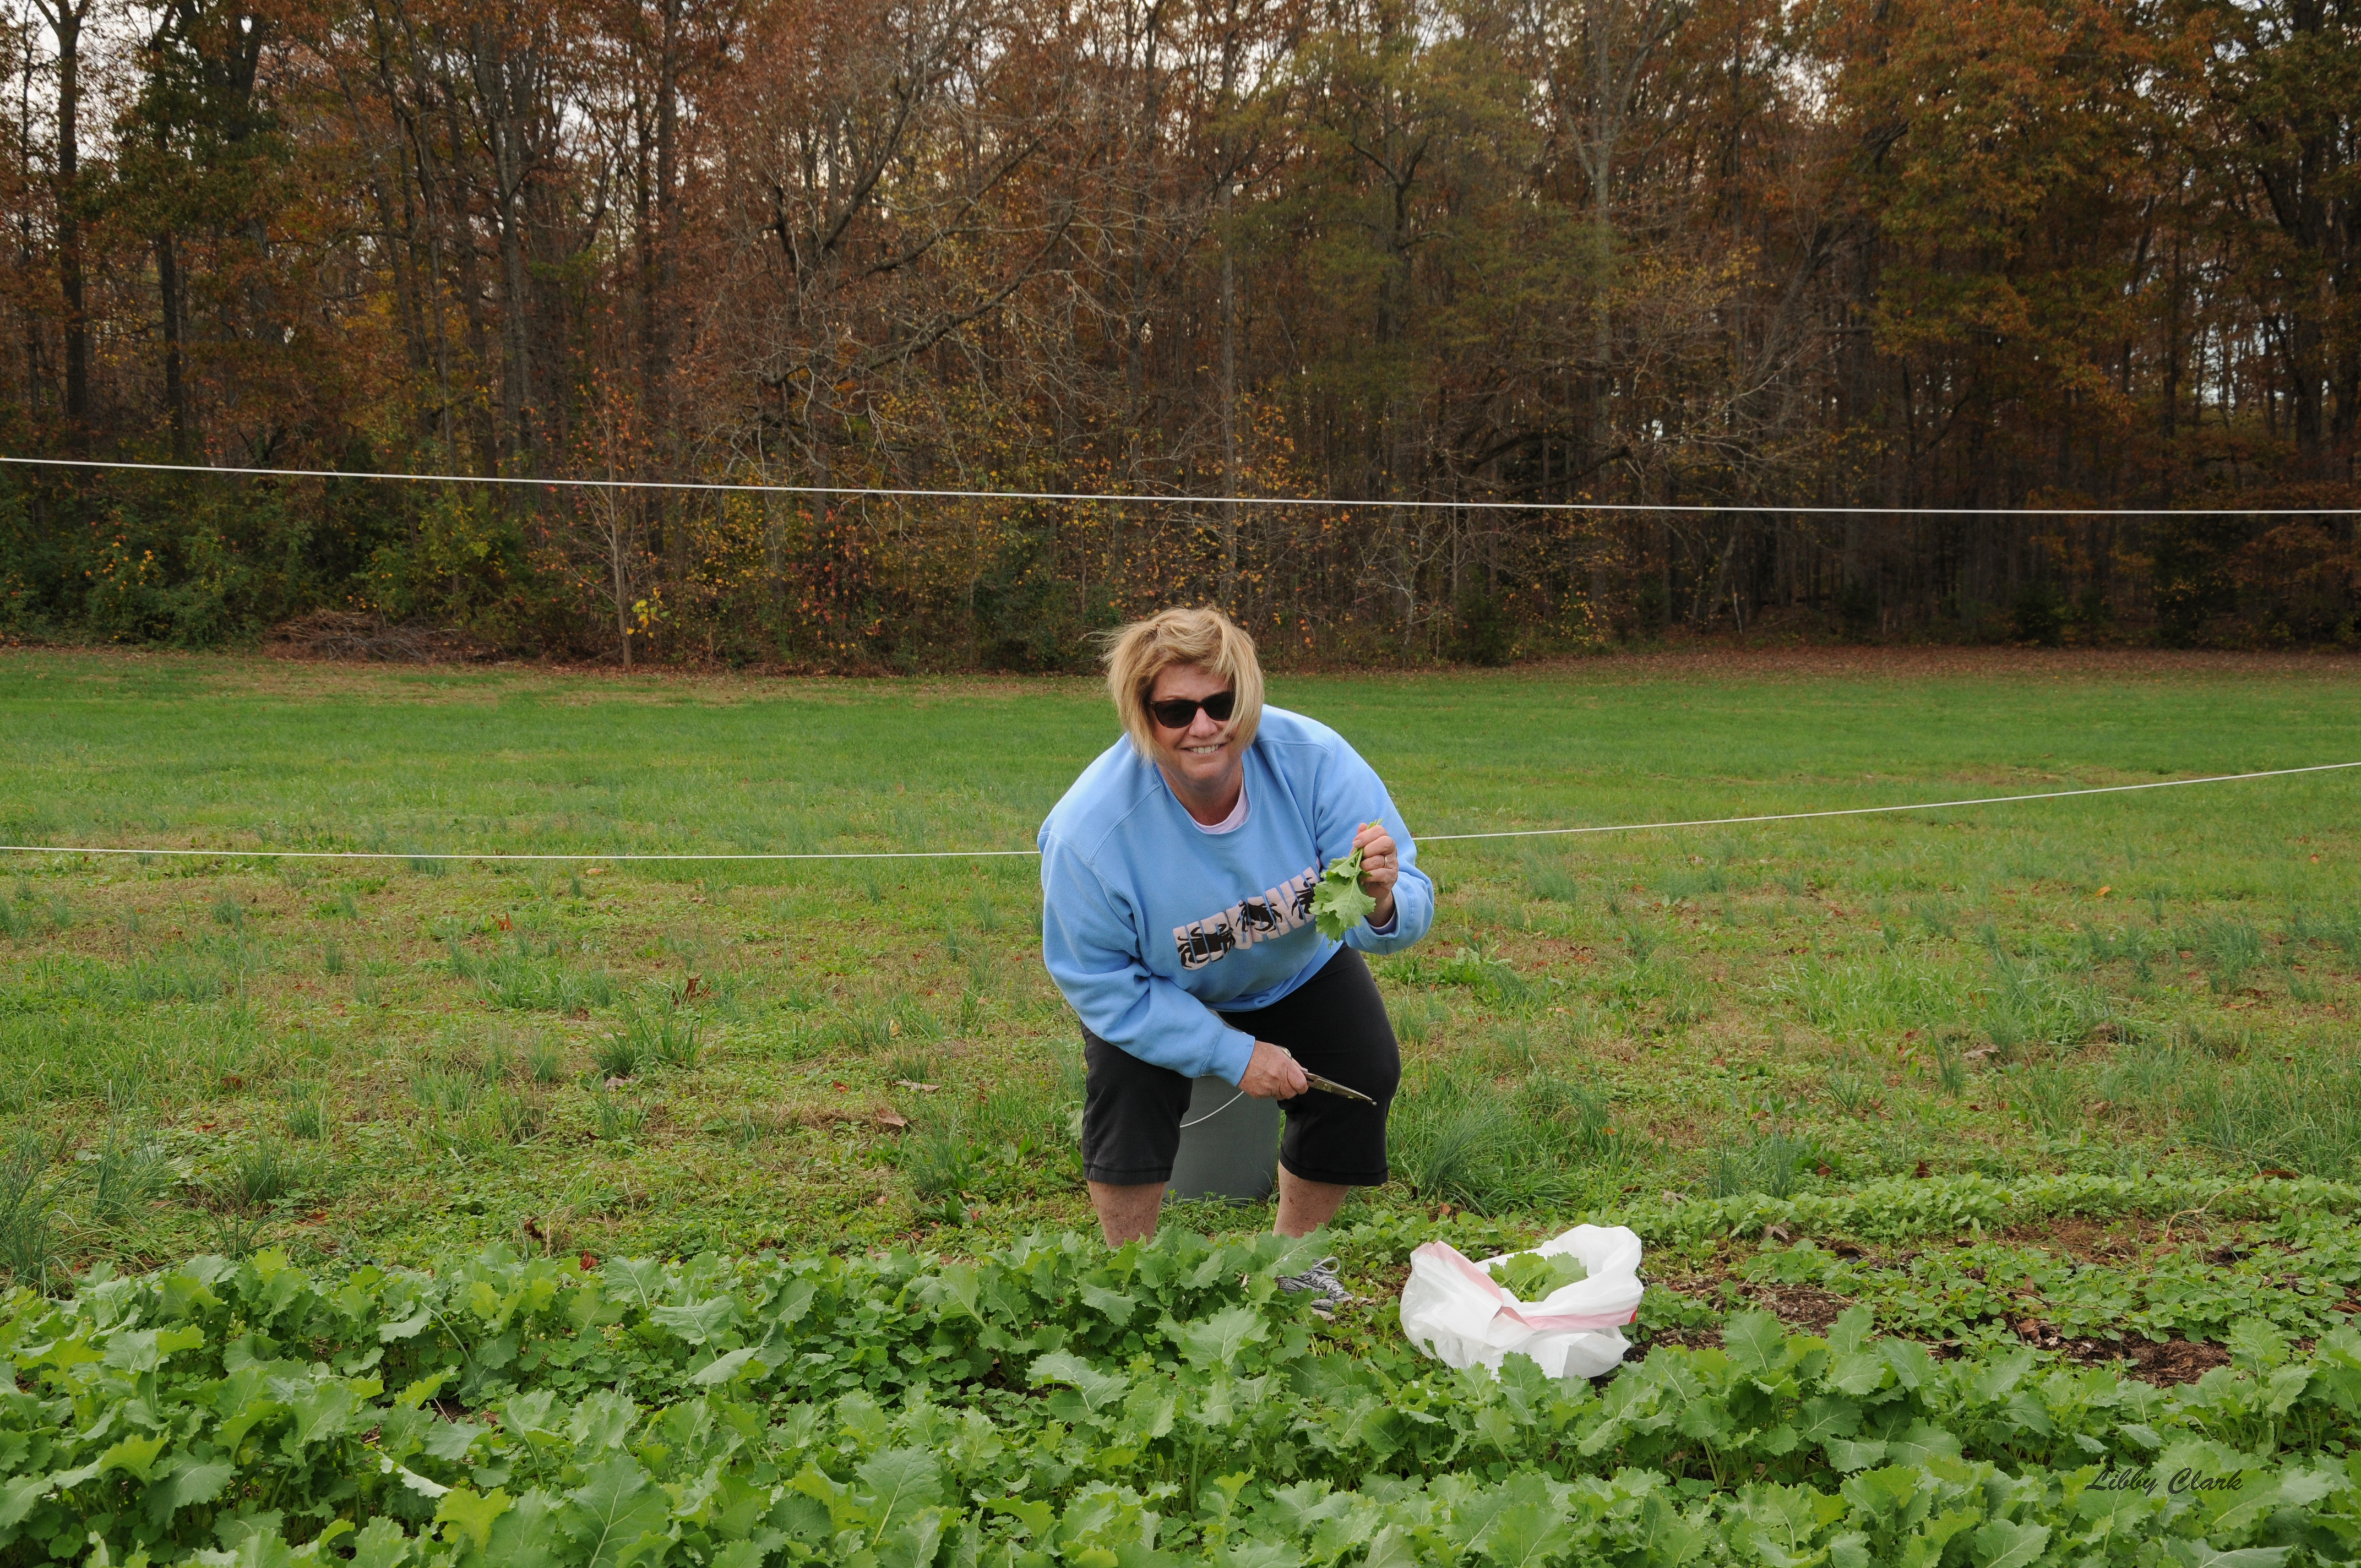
1205 753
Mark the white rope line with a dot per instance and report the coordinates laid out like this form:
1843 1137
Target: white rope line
883 492
1216 1111
1873 810
1019 854
474 855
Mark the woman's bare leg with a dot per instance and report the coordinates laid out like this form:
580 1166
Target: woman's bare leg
1126 1213
1304 1206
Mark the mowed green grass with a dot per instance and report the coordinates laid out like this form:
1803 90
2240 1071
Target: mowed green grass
402 1059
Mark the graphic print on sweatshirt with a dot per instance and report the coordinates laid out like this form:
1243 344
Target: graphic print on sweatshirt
1266 917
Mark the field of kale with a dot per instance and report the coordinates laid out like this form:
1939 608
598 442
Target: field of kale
1997 1167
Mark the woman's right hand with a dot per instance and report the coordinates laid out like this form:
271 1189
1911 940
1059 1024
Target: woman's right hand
1271 1074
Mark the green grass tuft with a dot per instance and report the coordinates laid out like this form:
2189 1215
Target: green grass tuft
618 1119
257 1174
29 1252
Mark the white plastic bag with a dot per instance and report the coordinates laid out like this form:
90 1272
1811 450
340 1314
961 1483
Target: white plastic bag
1454 1310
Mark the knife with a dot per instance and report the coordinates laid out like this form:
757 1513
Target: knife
1330 1086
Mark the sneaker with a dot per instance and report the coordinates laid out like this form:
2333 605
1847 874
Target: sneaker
1321 1279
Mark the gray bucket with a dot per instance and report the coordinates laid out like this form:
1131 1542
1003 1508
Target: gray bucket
1229 1144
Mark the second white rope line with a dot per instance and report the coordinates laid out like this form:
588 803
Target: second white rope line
1018 854
891 492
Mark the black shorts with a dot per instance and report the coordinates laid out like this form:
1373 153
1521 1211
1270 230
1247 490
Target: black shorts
1335 1024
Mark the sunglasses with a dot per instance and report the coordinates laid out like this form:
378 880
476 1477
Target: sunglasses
1180 712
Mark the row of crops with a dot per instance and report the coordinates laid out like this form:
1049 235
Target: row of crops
1055 1402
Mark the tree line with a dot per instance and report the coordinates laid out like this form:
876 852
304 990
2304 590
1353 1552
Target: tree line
2063 296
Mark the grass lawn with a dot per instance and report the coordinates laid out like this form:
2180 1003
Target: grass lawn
392 1059
2027 1088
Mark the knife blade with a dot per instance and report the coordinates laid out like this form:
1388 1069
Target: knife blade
1330 1086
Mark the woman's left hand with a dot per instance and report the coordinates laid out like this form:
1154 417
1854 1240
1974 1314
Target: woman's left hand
1380 869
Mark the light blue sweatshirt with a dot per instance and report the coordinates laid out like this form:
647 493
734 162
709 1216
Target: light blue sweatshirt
1149 922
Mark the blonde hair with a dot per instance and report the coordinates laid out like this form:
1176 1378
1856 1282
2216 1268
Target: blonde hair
1136 655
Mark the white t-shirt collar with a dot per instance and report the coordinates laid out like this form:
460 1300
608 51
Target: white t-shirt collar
1230 824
